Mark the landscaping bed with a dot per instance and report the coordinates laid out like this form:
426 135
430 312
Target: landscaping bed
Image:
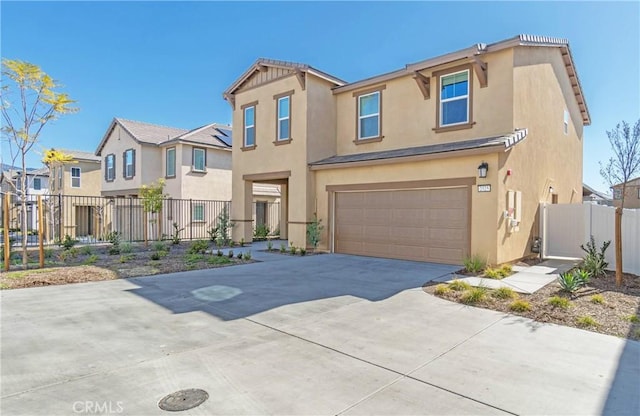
598 306
95 263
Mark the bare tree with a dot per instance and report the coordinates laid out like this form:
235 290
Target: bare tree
29 101
622 167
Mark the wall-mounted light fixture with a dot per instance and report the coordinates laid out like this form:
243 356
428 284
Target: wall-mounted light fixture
482 170
551 189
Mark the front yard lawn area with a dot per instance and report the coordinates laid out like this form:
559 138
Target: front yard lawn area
94 263
599 306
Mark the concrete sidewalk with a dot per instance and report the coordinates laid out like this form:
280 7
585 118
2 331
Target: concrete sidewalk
326 334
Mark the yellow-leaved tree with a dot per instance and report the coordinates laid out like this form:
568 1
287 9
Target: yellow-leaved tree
29 101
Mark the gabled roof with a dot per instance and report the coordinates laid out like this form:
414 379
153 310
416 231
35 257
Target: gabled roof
629 182
154 134
493 143
479 49
587 190
80 155
261 63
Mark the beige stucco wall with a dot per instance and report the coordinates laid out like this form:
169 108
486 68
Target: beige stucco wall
547 157
117 143
408 119
214 184
632 195
90 179
268 157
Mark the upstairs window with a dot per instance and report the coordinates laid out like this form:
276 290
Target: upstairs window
75 177
454 99
129 163
171 162
369 116
617 193
250 126
110 168
284 118
199 162
37 184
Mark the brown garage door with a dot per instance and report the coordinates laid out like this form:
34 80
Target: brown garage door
413 224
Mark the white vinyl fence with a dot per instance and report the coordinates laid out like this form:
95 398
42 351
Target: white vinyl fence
564 227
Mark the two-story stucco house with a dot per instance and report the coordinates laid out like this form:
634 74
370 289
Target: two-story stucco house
37 184
75 186
631 194
439 160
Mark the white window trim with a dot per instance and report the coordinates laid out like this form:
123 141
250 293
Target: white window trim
166 162
288 98
79 175
204 159
460 97
249 126
111 176
360 118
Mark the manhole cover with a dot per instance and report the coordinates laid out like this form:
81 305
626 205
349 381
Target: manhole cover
183 400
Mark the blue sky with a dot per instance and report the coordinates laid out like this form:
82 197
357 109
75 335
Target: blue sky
168 63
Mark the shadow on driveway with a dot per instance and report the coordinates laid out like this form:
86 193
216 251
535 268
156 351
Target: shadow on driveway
241 291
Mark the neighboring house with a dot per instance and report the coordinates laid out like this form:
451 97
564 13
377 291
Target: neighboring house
37 184
591 195
196 166
78 212
632 194
439 160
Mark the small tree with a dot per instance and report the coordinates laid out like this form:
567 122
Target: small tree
152 197
29 102
621 168
313 231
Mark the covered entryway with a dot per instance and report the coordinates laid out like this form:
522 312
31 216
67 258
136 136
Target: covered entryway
410 224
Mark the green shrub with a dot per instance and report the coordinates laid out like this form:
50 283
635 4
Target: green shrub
230 254
127 257
113 237
73 252
261 231
597 299
48 253
155 255
459 285
492 273
219 253
92 259
504 293
68 242
303 251
505 270
247 255
283 248
293 250
198 246
520 305
175 237
474 264
587 321
193 257
218 260
114 250
314 229
159 246
571 281
594 261
126 248
559 302
441 289
86 250
474 295
269 245
634 319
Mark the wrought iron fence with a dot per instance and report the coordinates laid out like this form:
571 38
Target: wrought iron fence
91 220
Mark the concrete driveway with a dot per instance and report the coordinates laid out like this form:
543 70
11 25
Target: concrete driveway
327 334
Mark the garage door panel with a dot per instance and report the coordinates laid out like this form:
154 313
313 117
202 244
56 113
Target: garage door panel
416 224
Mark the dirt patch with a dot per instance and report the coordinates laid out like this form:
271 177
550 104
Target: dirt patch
92 263
599 306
